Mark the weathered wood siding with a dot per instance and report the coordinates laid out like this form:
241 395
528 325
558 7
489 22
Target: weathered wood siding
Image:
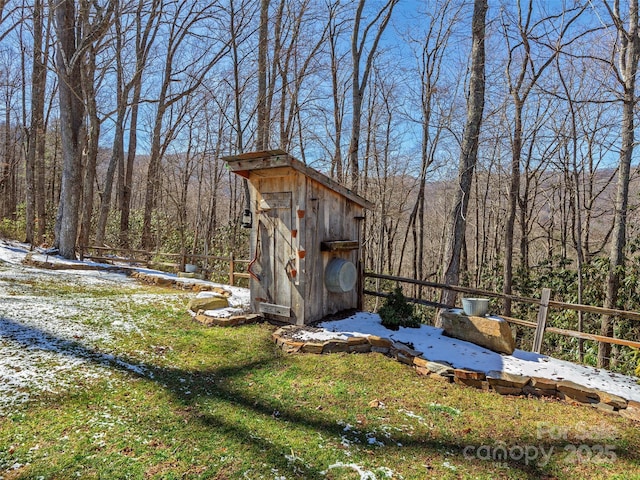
293 215
329 217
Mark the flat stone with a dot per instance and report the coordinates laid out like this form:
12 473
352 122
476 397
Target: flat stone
539 392
402 357
204 319
442 378
406 349
502 390
162 282
208 303
221 291
357 341
493 333
376 341
360 348
578 393
312 347
632 412
469 374
605 407
470 382
292 347
615 401
420 362
335 346
422 371
382 350
441 368
543 383
503 379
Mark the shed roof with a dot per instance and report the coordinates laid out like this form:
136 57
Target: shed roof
255 162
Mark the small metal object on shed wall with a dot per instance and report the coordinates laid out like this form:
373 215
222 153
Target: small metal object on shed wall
306 227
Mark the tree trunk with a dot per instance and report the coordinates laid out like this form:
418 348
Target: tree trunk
71 117
628 64
36 129
468 155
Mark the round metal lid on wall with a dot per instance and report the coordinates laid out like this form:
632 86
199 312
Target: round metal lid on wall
340 276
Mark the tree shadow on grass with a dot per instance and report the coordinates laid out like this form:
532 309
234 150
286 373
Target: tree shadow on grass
189 387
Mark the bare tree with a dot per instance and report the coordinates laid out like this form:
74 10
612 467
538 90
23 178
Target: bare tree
190 68
522 74
468 153
361 52
147 17
72 44
628 55
34 163
432 50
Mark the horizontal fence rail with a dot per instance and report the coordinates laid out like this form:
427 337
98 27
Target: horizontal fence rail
143 257
540 327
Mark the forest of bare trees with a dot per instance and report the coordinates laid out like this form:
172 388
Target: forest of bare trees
499 151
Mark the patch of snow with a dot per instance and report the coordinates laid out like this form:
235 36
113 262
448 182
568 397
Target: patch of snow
364 474
461 354
226 312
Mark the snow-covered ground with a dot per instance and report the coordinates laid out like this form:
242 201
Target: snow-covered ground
49 343
437 347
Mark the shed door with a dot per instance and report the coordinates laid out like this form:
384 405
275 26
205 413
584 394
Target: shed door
278 256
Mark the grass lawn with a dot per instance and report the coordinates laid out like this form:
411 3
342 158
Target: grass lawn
227 403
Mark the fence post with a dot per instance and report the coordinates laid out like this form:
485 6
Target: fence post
542 319
231 270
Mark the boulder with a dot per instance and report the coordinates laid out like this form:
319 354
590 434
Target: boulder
208 303
493 333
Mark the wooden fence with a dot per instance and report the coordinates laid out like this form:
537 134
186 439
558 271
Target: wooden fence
153 259
174 261
543 302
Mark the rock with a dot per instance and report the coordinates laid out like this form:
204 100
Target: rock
292 347
312 347
421 370
440 368
352 341
468 374
578 393
502 379
376 341
605 407
493 333
382 350
543 383
614 401
360 348
335 346
208 303
469 382
507 390
442 377
539 392
420 362
632 412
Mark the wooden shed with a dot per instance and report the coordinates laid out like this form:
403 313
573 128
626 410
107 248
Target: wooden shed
305 239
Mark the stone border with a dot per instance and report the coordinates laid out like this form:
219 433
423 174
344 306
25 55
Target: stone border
497 381
233 321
